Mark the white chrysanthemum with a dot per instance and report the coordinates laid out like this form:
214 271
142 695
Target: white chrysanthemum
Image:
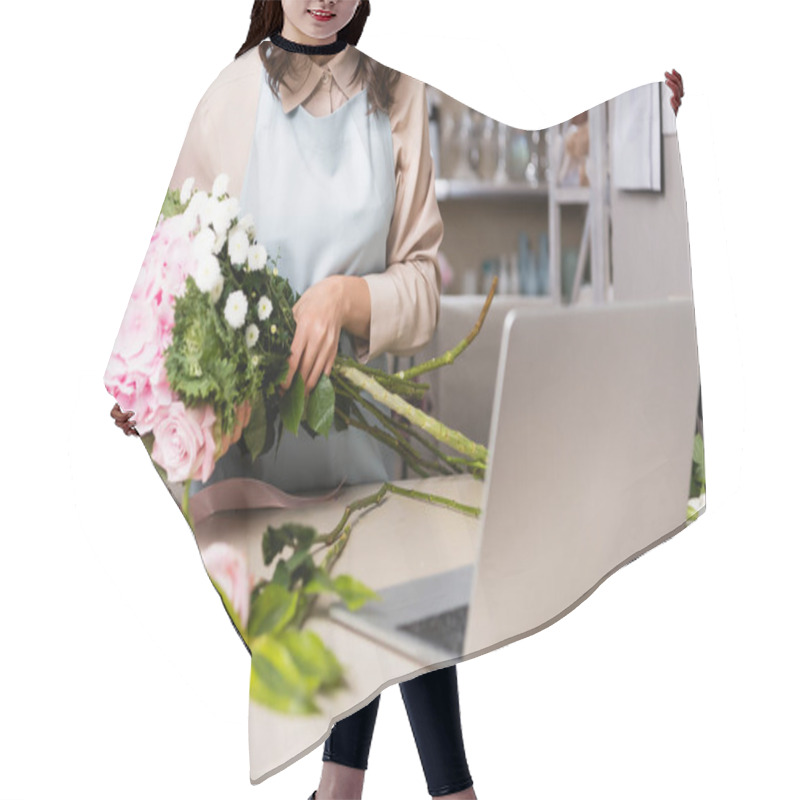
220 185
182 226
186 190
251 334
208 272
219 242
238 244
236 308
274 270
224 213
247 223
216 291
264 307
196 209
203 242
209 211
256 257
233 206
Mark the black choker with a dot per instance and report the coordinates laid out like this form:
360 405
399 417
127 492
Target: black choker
309 49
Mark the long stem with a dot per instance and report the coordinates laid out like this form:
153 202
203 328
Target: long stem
339 536
185 503
450 356
438 430
408 455
398 427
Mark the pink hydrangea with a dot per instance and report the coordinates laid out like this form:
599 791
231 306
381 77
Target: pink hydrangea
136 374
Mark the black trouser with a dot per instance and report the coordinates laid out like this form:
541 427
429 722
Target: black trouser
432 705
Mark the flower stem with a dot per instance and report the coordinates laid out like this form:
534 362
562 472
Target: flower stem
185 503
450 356
339 536
438 430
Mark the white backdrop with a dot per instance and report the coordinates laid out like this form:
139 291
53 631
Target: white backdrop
120 674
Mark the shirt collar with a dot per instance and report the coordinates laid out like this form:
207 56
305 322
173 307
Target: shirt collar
296 87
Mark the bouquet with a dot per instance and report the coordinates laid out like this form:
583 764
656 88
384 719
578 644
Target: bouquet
204 346
201 353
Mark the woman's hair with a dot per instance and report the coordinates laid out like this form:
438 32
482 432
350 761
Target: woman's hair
266 18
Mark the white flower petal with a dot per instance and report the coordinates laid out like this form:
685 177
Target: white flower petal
186 190
236 308
220 185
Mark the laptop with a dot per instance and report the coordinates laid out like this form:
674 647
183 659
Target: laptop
590 456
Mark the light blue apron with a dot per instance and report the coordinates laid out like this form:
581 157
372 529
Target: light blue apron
321 191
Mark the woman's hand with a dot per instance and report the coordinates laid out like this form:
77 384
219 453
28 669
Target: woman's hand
319 314
123 420
675 82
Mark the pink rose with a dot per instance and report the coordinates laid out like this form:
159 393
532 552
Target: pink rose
184 441
228 568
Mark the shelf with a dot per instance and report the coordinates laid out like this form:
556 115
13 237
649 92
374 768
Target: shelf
447 189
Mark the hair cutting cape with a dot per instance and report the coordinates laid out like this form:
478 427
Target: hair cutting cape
521 419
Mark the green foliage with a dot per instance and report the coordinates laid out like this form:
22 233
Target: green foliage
207 360
255 434
172 205
320 405
292 403
290 668
290 533
353 592
271 610
698 480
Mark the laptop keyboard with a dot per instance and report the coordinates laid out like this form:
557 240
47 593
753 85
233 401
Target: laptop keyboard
443 630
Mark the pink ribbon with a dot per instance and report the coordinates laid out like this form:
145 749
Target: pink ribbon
245 493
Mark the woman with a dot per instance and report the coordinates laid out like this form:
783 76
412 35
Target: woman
377 280
338 293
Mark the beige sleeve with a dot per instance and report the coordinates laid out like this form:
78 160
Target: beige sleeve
404 297
198 157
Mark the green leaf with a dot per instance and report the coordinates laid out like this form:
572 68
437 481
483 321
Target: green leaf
272 610
277 682
321 402
302 535
698 453
273 542
292 402
320 582
312 658
297 560
255 434
290 533
353 592
281 575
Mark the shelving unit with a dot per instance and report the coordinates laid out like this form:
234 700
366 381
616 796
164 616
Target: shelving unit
595 238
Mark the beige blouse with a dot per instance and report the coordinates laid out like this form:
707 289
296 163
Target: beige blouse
404 299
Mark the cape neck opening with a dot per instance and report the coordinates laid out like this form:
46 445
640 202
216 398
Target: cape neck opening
310 49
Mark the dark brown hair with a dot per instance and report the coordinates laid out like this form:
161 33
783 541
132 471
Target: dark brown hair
266 18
